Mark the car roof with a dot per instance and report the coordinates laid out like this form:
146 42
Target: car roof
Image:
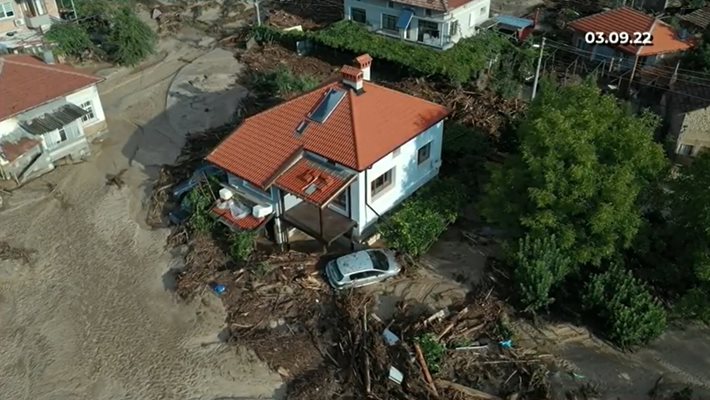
354 263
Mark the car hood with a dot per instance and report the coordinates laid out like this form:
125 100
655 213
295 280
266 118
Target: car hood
352 263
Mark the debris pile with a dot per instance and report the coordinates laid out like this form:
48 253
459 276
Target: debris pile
284 19
484 111
8 252
317 12
269 57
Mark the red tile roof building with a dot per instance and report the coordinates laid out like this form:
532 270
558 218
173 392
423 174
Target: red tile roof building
625 19
361 129
26 82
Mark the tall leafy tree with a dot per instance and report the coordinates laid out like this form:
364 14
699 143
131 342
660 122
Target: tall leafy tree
583 162
690 235
131 38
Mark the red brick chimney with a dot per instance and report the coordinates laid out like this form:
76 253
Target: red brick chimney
364 62
352 77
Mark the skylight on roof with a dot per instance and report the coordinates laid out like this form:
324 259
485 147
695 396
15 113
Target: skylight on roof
327 105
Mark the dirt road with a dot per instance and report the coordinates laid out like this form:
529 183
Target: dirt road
89 317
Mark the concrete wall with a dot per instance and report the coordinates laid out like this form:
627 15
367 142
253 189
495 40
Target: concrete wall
468 17
408 177
97 125
8 24
693 130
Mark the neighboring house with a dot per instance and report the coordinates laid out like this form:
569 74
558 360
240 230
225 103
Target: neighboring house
698 20
687 111
662 41
437 23
47 112
332 161
22 23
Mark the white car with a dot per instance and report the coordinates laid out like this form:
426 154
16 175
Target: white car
362 268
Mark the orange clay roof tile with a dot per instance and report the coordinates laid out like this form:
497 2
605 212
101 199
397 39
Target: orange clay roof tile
27 82
361 130
628 20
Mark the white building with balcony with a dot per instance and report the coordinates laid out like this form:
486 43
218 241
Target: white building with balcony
22 23
48 113
436 23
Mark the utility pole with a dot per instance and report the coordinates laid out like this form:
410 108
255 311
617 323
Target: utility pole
258 14
537 71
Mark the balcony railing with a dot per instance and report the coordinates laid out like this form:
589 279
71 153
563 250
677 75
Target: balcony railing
38 21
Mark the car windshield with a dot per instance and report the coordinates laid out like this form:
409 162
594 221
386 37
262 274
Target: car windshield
336 271
379 260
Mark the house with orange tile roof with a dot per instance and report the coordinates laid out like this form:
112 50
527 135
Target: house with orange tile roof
624 37
329 162
436 23
48 112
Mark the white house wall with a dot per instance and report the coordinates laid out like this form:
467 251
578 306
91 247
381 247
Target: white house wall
468 16
91 94
407 177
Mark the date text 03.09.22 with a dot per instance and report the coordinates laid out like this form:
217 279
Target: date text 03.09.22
635 38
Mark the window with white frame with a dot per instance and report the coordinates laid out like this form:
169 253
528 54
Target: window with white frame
685 150
454 28
381 183
62 135
341 202
89 108
6 10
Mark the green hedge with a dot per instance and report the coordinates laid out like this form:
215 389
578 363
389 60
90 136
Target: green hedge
417 224
630 314
461 63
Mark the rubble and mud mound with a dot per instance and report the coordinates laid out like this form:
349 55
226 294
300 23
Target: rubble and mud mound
311 14
269 57
481 110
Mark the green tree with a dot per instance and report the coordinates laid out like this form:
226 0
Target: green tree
630 314
699 57
690 235
539 265
69 39
581 169
131 40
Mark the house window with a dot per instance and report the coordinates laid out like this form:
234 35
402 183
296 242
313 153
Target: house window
381 183
685 150
6 10
484 10
427 12
390 4
428 30
423 153
89 108
454 28
62 135
358 15
389 22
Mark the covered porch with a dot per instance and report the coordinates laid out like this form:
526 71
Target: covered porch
316 184
323 224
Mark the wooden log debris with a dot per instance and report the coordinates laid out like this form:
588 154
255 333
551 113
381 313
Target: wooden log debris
425 368
471 392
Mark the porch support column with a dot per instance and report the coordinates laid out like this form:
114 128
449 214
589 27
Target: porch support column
320 218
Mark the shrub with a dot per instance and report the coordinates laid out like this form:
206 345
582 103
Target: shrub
630 314
242 245
539 264
200 200
130 40
418 223
459 64
432 350
69 39
281 82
